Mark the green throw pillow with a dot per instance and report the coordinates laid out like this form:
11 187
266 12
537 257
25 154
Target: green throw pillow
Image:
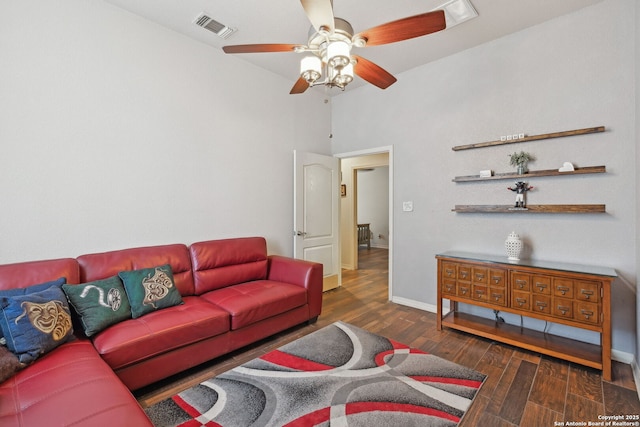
99 304
35 324
150 289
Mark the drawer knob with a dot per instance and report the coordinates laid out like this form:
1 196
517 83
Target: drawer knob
563 310
497 296
541 286
464 291
587 293
463 274
521 283
541 305
449 272
497 279
563 289
587 314
479 276
521 301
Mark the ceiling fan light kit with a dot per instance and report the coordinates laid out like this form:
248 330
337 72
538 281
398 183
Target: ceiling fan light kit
329 60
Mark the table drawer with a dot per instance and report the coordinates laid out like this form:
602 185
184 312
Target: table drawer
449 270
480 293
480 275
498 296
541 285
464 272
541 303
521 300
587 290
563 308
587 312
497 277
521 282
563 287
449 286
464 290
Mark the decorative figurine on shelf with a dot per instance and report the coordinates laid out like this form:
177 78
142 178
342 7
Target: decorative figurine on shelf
520 188
520 161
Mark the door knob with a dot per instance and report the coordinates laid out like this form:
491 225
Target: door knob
300 233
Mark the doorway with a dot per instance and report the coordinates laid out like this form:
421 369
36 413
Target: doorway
353 164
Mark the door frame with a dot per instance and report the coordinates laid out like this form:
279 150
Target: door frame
381 150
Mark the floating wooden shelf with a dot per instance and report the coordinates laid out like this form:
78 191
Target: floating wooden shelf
548 172
530 209
531 138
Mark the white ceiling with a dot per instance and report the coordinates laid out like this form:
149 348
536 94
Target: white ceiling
284 21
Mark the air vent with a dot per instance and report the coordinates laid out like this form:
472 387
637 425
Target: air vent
206 22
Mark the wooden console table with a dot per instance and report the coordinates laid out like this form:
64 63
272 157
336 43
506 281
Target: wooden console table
568 294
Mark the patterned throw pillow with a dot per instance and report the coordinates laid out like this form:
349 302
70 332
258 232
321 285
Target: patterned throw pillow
31 289
99 304
35 324
150 289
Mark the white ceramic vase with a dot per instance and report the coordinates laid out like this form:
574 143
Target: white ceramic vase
513 245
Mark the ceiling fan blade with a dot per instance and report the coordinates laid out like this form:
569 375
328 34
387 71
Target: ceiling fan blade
320 13
372 73
404 29
300 86
257 48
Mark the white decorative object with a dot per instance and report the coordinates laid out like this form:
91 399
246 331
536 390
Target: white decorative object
486 173
513 244
566 167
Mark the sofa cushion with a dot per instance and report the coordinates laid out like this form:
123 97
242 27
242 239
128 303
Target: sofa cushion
99 304
102 265
24 274
252 302
36 323
150 289
70 386
220 263
160 331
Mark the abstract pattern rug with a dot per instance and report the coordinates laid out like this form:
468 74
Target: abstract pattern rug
340 375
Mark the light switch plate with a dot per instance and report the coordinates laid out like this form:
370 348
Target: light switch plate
407 206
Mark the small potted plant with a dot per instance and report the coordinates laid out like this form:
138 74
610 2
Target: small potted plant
520 161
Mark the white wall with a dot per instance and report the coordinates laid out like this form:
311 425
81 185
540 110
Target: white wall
116 132
572 72
373 203
637 138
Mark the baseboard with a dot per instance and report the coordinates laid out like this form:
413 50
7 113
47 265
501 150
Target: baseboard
617 355
636 374
380 245
415 304
623 357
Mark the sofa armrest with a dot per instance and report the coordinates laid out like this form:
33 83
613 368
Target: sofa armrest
302 273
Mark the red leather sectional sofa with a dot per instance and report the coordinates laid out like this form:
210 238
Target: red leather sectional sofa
234 294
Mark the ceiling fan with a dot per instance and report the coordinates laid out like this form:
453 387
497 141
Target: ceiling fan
330 42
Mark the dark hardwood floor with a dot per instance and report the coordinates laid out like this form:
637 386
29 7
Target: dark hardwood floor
522 388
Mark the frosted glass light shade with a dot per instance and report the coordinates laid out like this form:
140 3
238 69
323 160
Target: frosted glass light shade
310 68
338 54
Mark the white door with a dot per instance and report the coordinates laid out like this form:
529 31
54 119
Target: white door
316 197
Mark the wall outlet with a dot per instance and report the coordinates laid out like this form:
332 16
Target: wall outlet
407 206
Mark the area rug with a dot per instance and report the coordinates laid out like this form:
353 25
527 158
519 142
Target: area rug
340 375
